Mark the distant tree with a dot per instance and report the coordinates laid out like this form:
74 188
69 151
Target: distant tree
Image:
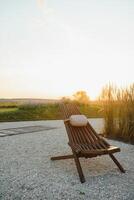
65 99
81 97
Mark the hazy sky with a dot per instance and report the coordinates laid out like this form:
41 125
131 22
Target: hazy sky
52 48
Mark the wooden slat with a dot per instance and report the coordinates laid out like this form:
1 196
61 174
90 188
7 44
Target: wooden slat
73 107
82 138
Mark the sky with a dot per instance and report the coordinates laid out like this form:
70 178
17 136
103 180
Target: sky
50 49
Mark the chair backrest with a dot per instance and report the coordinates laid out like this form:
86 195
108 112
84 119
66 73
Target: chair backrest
69 109
83 135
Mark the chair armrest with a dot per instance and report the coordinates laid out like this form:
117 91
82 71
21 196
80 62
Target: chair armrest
66 120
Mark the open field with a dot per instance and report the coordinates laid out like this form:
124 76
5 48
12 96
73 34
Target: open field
117 109
37 110
26 171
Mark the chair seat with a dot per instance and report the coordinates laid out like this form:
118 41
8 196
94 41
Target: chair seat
86 149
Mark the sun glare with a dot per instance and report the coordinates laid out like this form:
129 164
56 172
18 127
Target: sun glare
70 46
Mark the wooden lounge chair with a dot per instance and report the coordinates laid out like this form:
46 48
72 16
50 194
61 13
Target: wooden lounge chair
84 141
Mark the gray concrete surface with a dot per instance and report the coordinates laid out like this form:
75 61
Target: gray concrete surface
26 171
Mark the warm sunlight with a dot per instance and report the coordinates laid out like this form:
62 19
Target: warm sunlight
52 48
66 99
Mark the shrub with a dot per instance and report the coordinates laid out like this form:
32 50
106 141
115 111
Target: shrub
118 105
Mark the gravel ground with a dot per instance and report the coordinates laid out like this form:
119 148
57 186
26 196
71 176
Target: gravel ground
26 171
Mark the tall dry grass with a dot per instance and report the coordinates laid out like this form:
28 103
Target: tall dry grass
118 105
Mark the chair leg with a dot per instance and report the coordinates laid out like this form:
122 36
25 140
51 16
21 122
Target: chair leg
62 157
117 163
79 169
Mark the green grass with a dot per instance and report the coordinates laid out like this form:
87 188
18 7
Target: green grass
93 110
3 110
9 104
49 111
31 112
